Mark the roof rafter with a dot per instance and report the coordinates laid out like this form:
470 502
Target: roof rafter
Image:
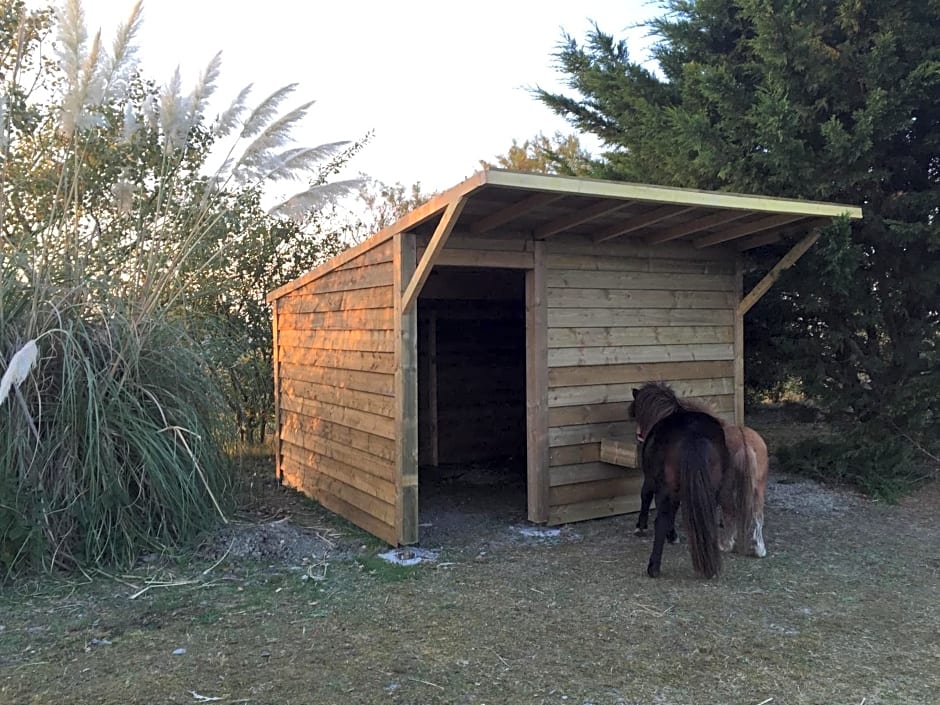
696 226
579 217
755 226
652 217
513 211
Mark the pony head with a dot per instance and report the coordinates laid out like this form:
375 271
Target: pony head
651 403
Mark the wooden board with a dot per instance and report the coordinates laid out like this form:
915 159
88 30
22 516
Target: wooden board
353 418
628 374
587 433
576 493
638 280
574 455
650 263
345 465
608 317
341 360
568 297
595 509
576 337
566 357
381 448
588 413
613 393
375 297
536 383
619 452
350 279
353 341
379 404
585 472
353 320
374 382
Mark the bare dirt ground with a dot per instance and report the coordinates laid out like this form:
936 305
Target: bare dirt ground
291 606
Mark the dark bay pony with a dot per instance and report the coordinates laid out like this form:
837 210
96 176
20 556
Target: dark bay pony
685 461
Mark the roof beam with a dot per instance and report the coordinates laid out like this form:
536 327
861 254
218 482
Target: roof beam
511 212
755 226
787 261
749 243
584 215
696 226
632 225
438 240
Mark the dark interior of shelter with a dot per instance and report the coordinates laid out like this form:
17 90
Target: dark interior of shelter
471 391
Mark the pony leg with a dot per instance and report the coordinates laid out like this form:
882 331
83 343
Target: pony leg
646 498
672 536
757 547
665 517
727 531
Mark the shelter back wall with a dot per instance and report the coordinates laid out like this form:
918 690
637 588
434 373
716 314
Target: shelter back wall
620 314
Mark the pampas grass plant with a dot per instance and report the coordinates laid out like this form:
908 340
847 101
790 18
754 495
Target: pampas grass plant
114 444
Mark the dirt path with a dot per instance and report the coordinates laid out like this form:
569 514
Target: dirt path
845 609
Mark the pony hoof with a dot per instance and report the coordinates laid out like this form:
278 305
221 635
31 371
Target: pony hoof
758 551
652 571
639 532
673 538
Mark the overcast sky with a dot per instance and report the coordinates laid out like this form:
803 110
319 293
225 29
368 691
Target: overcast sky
442 84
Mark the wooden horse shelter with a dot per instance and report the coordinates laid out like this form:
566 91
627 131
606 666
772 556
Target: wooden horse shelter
513 314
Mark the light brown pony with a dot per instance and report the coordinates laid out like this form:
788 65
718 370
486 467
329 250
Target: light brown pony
744 526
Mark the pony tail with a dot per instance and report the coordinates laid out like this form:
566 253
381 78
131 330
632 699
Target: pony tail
745 490
700 507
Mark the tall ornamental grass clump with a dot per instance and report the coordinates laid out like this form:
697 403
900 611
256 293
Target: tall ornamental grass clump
112 426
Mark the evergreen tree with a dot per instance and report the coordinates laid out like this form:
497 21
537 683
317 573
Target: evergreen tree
834 101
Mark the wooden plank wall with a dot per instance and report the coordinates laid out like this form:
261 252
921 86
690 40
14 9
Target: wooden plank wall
620 314
336 372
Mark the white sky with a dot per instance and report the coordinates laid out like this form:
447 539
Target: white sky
442 84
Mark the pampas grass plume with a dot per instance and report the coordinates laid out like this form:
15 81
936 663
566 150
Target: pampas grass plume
23 361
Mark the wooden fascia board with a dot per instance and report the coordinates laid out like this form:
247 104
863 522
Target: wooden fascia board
696 226
787 261
510 213
756 226
410 220
438 240
632 225
577 186
579 217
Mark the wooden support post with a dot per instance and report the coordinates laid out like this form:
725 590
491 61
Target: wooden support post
433 427
739 345
438 240
788 260
276 363
406 393
536 307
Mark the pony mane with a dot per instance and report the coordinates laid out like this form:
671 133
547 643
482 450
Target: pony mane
702 407
653 402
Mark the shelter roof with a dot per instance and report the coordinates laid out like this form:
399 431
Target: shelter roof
543 206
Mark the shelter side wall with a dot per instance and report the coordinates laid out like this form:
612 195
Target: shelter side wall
620 314
336 369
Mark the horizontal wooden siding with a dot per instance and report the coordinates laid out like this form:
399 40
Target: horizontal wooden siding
620 314
335 387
